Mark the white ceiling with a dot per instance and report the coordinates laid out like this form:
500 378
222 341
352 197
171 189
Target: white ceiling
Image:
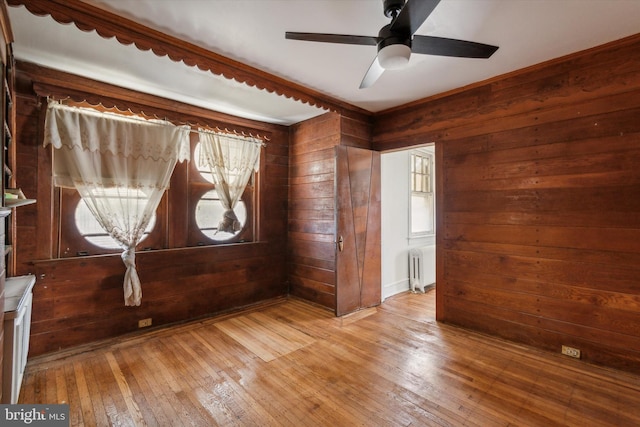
252 31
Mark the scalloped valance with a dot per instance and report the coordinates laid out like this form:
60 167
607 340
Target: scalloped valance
106 24
196 117
74 131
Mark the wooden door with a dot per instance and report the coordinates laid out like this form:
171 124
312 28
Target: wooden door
358 274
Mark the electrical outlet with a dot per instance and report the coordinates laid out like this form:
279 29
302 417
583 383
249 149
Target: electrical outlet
143 323
571 352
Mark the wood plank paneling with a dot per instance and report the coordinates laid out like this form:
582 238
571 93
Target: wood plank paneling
312 226
80 300
538 206
315 186
355 133
77 300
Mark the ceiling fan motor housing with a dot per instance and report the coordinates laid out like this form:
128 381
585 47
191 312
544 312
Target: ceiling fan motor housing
394 49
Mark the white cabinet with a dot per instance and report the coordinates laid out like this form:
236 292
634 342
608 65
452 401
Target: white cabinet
17 327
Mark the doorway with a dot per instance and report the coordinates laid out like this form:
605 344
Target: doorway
407 215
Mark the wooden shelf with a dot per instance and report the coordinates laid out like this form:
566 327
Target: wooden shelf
12 203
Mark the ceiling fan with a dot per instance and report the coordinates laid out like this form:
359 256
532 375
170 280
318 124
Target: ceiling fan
396 40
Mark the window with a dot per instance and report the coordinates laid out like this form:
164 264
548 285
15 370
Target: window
80 234
207 210
90 229
422 212
201 164
188 215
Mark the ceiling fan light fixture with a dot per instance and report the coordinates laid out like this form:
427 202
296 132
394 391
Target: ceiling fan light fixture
394 56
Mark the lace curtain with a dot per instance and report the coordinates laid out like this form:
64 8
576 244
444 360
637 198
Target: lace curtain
99 153
232 160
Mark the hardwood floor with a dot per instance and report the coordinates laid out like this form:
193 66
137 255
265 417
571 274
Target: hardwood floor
293 364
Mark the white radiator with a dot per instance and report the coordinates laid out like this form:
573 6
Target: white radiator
422 267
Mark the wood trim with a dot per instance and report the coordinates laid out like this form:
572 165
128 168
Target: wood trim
440 191
5 27
87 18
45 194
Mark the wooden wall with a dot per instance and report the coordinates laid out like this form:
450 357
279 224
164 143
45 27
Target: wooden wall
312 201
78 300
538 207
312 224
538 215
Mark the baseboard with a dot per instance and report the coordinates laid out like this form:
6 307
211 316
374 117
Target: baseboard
391 289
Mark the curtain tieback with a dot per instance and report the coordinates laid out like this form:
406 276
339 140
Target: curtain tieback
229 222
129 258
132 288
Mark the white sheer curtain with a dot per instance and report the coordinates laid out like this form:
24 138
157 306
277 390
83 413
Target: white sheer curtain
232 160
99 153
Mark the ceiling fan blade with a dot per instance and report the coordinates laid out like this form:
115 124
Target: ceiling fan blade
373 74
441 46
412 15
332 38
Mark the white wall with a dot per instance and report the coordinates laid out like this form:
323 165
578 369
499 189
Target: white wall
394 169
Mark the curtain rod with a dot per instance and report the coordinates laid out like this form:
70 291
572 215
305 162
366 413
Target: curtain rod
54 104
58 103
232 136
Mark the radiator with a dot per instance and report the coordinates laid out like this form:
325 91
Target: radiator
422 267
